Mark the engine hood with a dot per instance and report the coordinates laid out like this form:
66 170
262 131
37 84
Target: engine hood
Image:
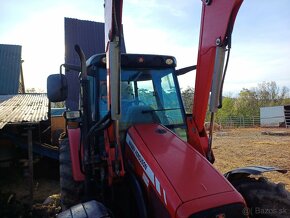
190 174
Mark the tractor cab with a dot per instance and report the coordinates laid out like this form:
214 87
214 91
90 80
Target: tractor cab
149 91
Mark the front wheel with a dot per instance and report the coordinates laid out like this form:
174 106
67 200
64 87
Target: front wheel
264 198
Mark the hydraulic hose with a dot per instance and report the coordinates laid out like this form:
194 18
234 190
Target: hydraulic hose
100 124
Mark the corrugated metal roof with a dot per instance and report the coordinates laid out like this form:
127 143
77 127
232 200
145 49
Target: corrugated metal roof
10 62
91 37
23 108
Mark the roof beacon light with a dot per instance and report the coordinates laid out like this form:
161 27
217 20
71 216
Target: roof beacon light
140 60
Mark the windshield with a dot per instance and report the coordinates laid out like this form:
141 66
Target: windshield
153 90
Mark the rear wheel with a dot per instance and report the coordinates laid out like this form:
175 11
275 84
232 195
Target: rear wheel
264 198
71 191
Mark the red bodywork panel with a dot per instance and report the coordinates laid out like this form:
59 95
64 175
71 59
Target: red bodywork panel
217 18
113 34
182 178
74 141
208 202
112 8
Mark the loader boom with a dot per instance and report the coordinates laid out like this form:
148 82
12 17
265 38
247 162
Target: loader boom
217 21
113 34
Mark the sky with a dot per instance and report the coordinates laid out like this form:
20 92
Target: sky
260 45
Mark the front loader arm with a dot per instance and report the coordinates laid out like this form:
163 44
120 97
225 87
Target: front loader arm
217 21
113 34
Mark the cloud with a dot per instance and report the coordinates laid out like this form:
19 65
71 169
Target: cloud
261 37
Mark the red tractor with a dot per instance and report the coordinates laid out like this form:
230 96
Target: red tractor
131 151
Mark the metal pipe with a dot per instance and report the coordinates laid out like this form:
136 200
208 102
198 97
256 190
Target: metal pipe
30 158
209 154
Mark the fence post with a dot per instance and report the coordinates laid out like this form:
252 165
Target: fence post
243 121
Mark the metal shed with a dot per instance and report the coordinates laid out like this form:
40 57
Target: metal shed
276 116
24 123
10 67
23 109
91 37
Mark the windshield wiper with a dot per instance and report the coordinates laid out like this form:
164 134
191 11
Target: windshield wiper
164 109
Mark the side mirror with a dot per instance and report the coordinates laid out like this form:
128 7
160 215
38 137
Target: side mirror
57 87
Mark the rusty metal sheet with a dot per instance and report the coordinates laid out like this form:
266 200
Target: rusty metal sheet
23 108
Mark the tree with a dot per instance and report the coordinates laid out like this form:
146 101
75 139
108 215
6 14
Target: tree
269 94
34 90
247 103
228 108
187 98
30 90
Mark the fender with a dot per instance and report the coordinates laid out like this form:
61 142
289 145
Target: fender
138 194
251 170
74 136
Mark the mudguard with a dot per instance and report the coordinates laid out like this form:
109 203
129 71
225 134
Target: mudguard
251 170
74 136
90 209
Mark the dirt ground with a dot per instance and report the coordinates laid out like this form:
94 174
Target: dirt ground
15 198
233 148
240 147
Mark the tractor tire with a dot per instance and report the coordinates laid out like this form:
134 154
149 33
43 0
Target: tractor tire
264 198
70 190
90 209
